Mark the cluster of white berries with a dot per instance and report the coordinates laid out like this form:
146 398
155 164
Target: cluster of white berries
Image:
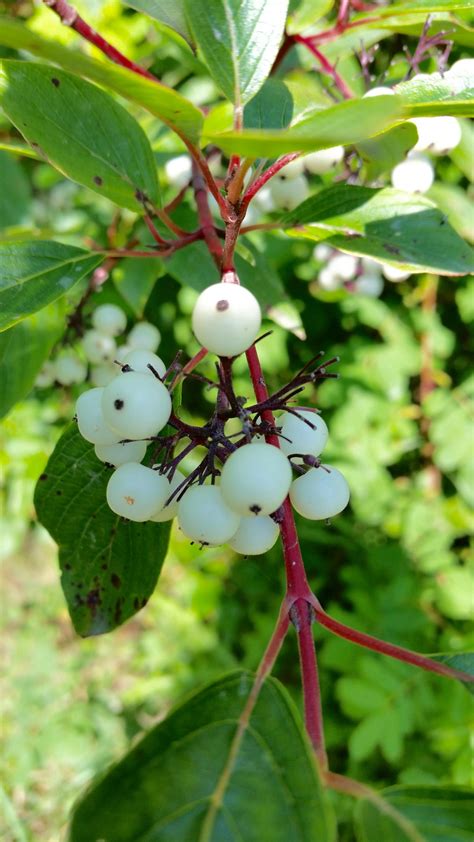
436 136
98 350
121 417
356 274
290 186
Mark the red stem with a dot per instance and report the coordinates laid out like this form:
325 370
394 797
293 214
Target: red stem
326 65
208 227
390 649
266 176
302 618
154 233
70 17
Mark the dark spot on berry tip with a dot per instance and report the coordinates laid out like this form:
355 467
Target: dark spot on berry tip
97 180
116 580
222 305
43 477
55 82
118 404
256 509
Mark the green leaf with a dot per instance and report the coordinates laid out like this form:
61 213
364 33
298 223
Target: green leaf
266 789
15 192
271 108
32 274
109 566
307 13
165 103
23 349
435 94
425 6
387 150
194 267
239 41
347 122
19 148
135 279
394 227
81 131
462 154
417 814
456 204
463 661
172 14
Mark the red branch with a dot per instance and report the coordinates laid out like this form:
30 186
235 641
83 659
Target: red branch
302 618
326 65
390 649
266 176
70 17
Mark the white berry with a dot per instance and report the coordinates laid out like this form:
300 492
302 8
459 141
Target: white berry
394 273
101 375
379 91
140 360
255 535
463 67
371 285
204 516
69 369
318 495
226 319
343 266
90 418
98 347
118 454
324 160
293 169
109 319
438 135
170 511
322 252
298 437
135 492
413 175
255 479
328 280
264 200
287 194
136 405
179 171
46 375
145 336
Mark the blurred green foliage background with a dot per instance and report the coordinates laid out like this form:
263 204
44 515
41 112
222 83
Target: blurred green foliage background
397 564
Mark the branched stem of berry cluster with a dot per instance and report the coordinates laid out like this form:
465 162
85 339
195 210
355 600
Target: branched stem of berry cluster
300 606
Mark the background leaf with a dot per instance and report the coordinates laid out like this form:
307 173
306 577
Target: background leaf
109 566
15 192
460 661
165 103
270 108
435 813
194 267
23 349
135 280
306 13
81 131
386 224
386 150
163 788
32 274
434 94
239 41
171 14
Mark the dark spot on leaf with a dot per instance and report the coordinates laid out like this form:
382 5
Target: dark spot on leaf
255 508
55 82
391 249
93 600
104 566
43 477
116 580
67 566
118 404
144 601
98 180
140 196
118 611
113 530
136 603
222 305
58 493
